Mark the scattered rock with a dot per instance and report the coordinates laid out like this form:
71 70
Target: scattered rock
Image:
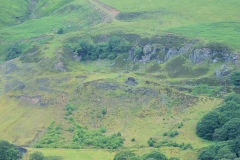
131 81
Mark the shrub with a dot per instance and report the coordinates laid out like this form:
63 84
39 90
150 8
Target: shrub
60 31
124 155
154 156
235 77
96 138
36 156
173 133
225 150
133 139
13 51
180 125
8 151
208 124
116 44
138 53
151 142
85 49
230 130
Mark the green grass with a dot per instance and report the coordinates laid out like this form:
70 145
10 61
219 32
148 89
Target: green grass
11 9
226 32
140 114
71 154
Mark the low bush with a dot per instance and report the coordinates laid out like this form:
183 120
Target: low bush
8 151
13 51
173 133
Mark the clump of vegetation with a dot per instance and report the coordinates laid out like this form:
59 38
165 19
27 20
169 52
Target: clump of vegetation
8 151
125 155
158 144
13 51
96 138
151 142
60 31
88 50
130 155
235 77
36 156
173 133
180 125
53 137
213 126
69 110
223 150
222 125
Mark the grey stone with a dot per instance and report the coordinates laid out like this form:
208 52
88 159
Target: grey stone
147 49
200 55
131 81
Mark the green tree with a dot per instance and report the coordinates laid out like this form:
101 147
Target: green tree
36 156
230 130
154 156
87 50
235 77
208 124
116 44
8 151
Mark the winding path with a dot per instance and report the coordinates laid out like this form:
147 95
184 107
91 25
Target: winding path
109 12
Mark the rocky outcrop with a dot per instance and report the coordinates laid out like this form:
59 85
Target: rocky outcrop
149 50
200 55
223 71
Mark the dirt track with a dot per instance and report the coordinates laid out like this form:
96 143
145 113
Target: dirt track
109 12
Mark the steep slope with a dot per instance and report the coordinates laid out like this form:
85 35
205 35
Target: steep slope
162 76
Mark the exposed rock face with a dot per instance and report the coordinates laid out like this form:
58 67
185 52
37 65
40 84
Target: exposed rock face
223 71
161 54
150 49
171 53
147 49
200 55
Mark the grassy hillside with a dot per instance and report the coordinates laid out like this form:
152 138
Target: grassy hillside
133 99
